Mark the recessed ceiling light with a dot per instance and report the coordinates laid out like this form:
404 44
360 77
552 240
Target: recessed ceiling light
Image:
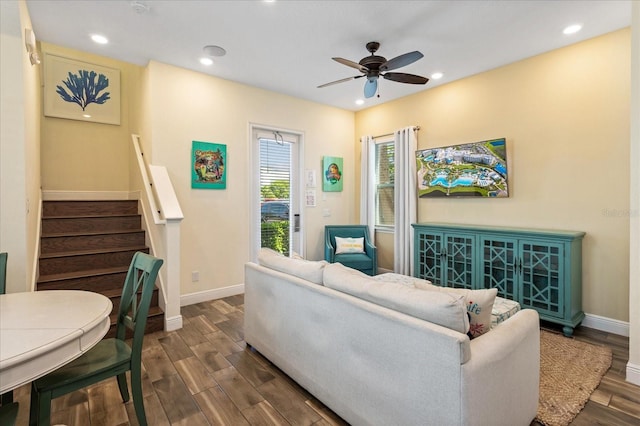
212 50
206 61
437 75
359 102
100 39
572 29
86 115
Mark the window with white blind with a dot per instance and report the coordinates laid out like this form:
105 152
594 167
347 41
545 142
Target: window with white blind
384 183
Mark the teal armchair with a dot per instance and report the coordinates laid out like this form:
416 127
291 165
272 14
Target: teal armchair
366 262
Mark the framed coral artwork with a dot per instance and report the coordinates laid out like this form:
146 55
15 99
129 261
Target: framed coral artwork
208 165
81 91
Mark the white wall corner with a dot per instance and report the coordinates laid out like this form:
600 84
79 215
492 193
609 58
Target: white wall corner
173 323
633 373
205 296
609 325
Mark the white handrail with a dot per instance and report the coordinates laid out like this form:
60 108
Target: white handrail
155 211
170 207
163 216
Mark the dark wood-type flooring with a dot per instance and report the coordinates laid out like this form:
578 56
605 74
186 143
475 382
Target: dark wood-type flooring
204 374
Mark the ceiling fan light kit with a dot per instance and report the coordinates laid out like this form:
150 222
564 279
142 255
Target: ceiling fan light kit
374 66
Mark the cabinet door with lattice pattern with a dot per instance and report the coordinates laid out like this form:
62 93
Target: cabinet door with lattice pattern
498 265
428 252
541 269
459 260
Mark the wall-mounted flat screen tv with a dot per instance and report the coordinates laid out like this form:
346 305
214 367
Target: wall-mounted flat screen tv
477 169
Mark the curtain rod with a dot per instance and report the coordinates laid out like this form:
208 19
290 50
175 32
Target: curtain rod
391 134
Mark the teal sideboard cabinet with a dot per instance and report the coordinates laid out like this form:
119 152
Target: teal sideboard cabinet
541 269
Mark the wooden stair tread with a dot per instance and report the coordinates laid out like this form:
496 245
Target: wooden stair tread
89 216
82 274
93 251
117 292
80 234
153 311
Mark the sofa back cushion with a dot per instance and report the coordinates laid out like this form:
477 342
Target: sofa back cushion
479 302
445 309
306 269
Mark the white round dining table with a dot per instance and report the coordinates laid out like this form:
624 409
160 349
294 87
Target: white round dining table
43 330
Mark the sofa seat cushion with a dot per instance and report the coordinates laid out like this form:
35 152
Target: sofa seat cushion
445 309
479 302
502 310
354 260
309 270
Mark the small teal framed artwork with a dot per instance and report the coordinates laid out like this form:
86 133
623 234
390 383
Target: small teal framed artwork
332 174
208 165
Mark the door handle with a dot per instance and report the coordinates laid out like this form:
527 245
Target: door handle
296 222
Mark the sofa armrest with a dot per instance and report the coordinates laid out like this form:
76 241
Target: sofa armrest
503 371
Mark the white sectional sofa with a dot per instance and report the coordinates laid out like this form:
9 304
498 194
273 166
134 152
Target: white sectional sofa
399 358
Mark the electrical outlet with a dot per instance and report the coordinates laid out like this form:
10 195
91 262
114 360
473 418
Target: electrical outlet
195 276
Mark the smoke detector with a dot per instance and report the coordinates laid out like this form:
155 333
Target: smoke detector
212 50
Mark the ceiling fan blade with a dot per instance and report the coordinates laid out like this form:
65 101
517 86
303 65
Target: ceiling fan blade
401 61
405 78
370 87
351 64
342 80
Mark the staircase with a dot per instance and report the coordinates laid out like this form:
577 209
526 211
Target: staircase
88 245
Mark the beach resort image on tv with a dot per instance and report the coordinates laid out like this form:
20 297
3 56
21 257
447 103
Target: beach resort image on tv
477 169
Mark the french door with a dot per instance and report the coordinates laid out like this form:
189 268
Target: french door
275 203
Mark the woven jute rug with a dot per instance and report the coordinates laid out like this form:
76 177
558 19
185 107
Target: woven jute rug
570 371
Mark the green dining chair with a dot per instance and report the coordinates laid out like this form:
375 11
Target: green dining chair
110 357
3 272
7 397
9 414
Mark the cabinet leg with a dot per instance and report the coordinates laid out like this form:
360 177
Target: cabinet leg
567 331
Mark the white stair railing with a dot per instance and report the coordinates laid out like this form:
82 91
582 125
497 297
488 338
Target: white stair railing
162 217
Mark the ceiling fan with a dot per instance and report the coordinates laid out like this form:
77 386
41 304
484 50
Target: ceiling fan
375 66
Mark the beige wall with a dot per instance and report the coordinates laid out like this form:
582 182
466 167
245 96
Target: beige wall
86 156
19 153
187 106
565 115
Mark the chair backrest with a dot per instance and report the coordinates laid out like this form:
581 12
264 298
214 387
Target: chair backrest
136 297
3 272
344 231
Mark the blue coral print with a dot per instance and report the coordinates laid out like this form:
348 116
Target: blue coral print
84 89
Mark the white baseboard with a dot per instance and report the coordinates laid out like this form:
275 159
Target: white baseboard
173 323
609 325
217 293
89 195
633 373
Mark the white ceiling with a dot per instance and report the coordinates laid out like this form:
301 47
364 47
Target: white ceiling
287 46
